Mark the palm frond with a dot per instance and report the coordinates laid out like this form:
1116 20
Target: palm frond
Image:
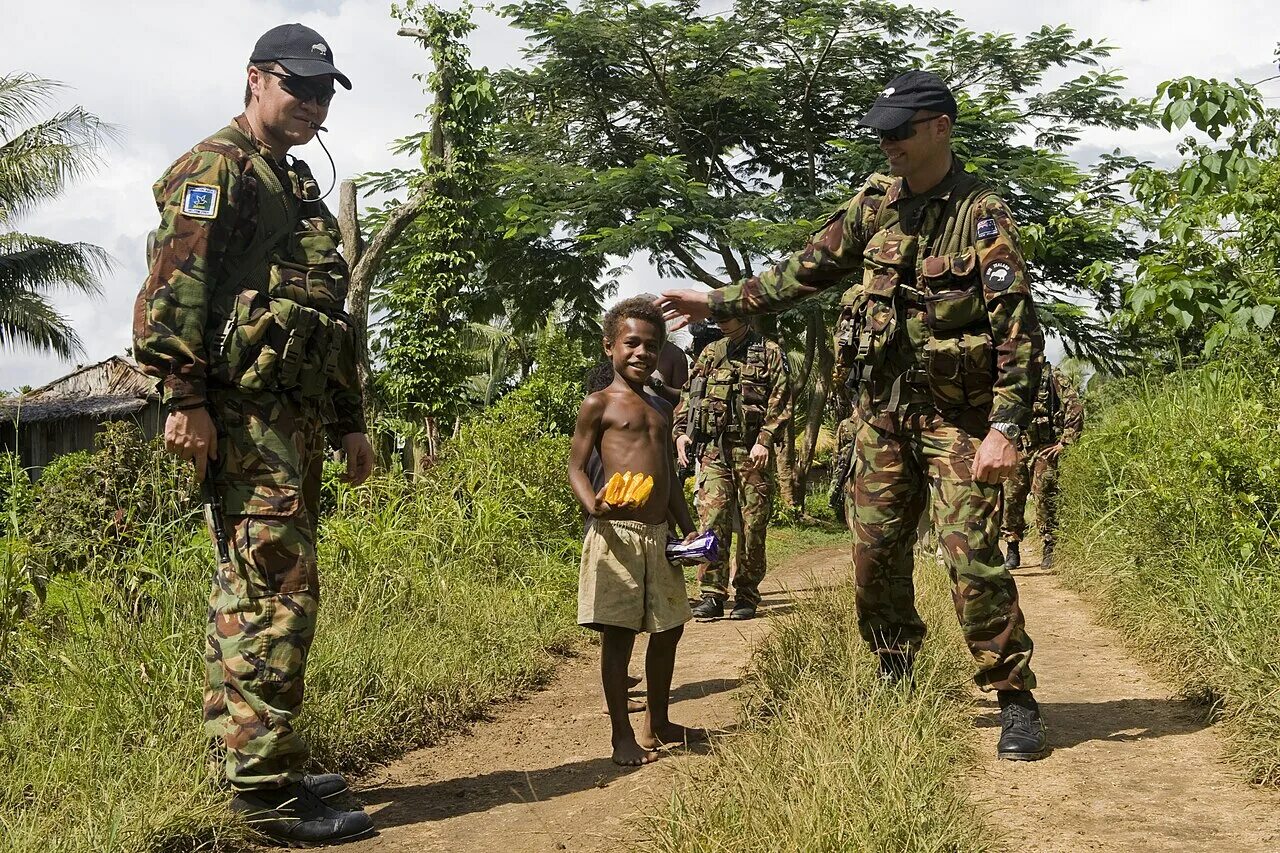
37 264
38 162
22 96
26 319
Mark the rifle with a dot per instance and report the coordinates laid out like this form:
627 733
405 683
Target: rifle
697 389
213 502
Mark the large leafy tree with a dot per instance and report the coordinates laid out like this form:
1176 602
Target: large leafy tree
715 143
39 156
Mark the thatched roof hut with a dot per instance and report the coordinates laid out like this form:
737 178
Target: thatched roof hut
63 416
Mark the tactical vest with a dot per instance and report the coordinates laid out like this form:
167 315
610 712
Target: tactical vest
276 320
1046 426
915 332
735 400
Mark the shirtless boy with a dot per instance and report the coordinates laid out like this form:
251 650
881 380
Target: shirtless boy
625 584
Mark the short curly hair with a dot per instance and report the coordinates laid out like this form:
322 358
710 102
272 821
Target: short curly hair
640 307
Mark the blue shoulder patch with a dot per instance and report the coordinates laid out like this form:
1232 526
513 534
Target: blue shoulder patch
200 201
987 228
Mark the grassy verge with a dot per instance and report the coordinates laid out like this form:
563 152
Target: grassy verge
1169 520
828 758
439 597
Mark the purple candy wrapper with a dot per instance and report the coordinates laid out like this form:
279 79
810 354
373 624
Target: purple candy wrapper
704 549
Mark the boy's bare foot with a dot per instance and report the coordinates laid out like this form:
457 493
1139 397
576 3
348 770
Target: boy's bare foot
634 706
671 733
634 680
630 754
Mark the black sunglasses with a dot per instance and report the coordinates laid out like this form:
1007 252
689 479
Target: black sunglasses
906 130
304 88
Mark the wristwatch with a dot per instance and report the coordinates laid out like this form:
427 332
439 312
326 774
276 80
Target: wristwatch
1010 431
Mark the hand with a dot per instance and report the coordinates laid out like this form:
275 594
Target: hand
996 459
602 508
759 456
682 450
690 536
682 307
1051 453
190 434
359 458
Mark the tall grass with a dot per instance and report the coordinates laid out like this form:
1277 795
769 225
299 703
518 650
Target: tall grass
439 597
1169 521
830 759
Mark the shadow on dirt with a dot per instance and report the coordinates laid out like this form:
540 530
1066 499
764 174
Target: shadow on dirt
1122 720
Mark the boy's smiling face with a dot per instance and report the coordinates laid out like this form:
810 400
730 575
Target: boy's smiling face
634 350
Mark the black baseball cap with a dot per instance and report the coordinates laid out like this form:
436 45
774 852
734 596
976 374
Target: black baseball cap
905 95
300 50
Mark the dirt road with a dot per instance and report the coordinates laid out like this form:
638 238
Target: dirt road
538 776
1133 768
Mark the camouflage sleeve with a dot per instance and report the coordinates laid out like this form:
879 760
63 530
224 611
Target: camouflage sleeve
1016 333
1072 411
680 420
778 409
833 252
197 199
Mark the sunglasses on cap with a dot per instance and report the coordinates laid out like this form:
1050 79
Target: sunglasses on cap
906 130
304 88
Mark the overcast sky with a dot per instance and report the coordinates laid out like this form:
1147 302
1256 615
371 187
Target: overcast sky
170 73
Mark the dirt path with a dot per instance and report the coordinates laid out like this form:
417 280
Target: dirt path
1133 769
538 777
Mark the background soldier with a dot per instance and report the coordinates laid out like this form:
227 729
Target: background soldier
739 399
241 318
1057 419
942 336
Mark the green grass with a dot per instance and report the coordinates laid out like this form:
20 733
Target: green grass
439 598
1169 520
829 759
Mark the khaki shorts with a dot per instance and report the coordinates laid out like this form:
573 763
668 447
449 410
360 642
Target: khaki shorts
626 581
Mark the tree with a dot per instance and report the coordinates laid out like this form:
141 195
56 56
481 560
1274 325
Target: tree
714 143
38 158
1209 269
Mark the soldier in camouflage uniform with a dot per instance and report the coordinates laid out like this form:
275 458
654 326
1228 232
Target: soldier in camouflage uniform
942 337
1057 419
737 403
241 318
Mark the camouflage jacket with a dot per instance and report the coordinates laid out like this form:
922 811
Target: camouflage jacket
1058 412
942 317
744 392
279 328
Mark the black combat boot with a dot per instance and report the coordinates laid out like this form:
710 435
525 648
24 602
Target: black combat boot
326 786
711 607
1046 556
1022 735
1012 559
897 667
742 610
294 816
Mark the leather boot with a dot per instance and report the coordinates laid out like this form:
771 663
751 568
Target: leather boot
711 607
1012 558
293 816
1022 736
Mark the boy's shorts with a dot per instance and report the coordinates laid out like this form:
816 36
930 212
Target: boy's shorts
625 579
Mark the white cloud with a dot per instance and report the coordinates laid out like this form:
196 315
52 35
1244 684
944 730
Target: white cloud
169 73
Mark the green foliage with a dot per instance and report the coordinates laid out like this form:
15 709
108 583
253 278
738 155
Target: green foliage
827 758
716 142
1169 514
1210 270
554 389
39 156
442 594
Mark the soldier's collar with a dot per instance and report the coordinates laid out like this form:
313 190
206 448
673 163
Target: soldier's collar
898 190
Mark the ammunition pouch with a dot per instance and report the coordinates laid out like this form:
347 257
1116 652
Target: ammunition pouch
279 345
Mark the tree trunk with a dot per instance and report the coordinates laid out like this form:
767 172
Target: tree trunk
358 293
825 363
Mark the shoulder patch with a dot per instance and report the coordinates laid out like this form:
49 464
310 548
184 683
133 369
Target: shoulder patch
200 201
998 275
987 228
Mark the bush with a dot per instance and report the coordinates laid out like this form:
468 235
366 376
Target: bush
1169 514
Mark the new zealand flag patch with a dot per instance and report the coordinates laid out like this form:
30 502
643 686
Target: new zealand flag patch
200 201
987 228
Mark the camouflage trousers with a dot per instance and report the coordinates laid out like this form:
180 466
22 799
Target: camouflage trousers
888 492
729 488
1036 474
262 610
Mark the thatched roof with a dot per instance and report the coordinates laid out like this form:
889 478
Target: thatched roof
110 388
26 411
